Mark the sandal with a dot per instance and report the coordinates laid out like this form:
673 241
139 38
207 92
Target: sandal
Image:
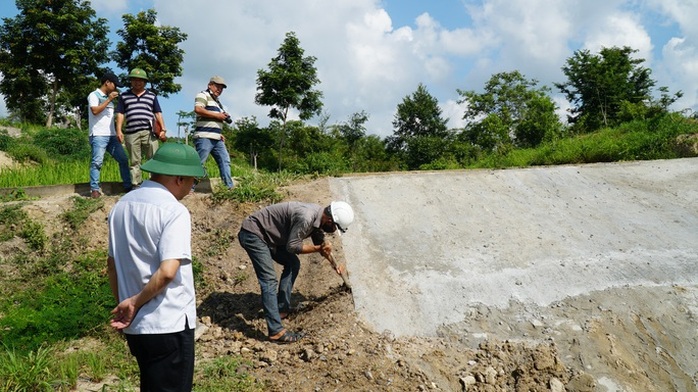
287 337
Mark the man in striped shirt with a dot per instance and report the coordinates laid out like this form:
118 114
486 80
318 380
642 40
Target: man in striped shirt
144 124
208 136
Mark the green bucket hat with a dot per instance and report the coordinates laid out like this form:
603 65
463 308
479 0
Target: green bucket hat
175 159
138 73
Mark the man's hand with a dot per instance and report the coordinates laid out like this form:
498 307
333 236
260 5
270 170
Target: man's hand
326 249
124 314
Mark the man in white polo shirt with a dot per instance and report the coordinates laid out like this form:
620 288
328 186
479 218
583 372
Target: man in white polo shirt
150 271
103 137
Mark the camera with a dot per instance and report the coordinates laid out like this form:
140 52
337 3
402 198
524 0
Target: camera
228 120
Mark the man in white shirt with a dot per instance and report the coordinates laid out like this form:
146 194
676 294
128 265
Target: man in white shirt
150 270
103 137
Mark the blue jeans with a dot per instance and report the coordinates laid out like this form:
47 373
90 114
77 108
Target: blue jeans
110 144
276 295
220 154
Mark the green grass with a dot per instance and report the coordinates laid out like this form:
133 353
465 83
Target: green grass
78 172
638 140
54 311
57 173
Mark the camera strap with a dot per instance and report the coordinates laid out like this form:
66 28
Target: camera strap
220 105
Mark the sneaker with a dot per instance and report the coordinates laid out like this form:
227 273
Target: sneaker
95 194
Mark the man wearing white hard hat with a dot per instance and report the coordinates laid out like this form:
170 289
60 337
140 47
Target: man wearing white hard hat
277 233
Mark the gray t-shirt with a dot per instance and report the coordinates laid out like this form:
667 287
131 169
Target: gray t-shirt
287 224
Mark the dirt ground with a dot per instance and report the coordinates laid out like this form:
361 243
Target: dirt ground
339 352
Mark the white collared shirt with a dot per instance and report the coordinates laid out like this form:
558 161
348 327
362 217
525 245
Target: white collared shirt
146 226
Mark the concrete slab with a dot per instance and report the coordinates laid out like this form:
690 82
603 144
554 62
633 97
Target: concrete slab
426 248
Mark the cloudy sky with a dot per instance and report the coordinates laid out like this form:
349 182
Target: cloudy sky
371 54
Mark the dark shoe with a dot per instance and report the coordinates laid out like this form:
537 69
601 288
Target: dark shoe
287 337
95 194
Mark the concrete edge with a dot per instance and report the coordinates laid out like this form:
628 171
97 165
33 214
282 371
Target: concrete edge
83 189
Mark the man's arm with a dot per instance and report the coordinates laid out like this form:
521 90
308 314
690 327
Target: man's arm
99 108
113 281
162 135
203 112
126 310
119 124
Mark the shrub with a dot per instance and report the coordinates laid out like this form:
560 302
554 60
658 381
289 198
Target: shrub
22 152
67 143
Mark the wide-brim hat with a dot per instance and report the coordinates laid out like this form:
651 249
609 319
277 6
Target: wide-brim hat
175 159
138 73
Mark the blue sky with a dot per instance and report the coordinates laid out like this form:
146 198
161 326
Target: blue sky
371 54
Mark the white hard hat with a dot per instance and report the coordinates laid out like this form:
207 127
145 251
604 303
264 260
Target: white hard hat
342 215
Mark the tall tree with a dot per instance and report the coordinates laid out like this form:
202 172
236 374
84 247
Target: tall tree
419 130
354 129
289 83
49 49
598 84
511 111
152 47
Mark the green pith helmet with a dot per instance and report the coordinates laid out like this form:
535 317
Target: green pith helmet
175 159
138 73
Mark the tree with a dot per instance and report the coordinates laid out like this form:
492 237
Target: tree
512 111
354 130
418 117
597 86
258 141
153 48
47 54
288 83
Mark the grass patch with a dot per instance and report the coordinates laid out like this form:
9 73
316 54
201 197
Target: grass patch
21 372
637 140
255 187
16 222
225 374
82 208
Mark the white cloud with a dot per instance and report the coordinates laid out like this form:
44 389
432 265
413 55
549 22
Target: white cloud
453 111
621 29
681 71
112 7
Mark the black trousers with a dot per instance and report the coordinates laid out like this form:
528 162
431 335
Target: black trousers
166 361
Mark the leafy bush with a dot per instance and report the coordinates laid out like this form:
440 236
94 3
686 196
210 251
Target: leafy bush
5 141
66 143
22 152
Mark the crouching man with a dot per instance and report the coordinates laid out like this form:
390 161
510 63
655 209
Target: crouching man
276 234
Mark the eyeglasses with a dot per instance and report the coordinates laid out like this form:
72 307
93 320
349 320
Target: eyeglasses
197 180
